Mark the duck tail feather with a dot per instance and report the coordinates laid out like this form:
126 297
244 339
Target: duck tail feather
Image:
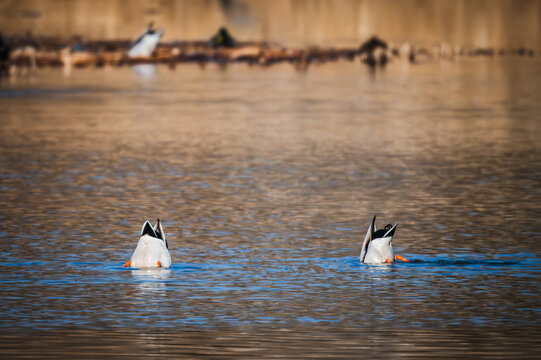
391 231
368 238
160 232
148 230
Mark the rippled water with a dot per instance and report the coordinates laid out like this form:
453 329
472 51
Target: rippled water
266 180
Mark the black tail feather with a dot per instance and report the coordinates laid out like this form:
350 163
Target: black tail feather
148 230
391 231
159 230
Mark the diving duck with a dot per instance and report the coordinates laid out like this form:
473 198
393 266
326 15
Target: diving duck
146 42
377 245
152 250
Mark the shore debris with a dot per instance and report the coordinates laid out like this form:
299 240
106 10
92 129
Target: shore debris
220 48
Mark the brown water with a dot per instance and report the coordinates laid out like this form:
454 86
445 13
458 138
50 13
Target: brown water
266 180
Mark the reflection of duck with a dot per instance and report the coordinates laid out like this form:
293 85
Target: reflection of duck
146 42
152 250
145 71
377 245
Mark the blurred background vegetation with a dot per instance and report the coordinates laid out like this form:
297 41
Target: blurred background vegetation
467 23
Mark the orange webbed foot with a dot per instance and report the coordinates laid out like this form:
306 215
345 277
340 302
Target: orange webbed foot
398 257
159 264
128 263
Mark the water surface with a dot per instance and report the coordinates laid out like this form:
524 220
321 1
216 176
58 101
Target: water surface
266 180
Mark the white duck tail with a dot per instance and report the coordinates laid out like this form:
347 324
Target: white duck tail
378 249
152 250
146 42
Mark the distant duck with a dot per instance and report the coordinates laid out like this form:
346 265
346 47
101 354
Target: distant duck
377 245
146 42
152 250
5 51
373 52
222 39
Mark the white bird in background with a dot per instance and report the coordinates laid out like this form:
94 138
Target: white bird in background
152 250
377 245
146 42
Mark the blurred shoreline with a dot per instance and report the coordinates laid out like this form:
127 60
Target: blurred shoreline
98 33
36 52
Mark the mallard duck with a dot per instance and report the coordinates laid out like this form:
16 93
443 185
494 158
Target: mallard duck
377 245
222 39
152 250
146 42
